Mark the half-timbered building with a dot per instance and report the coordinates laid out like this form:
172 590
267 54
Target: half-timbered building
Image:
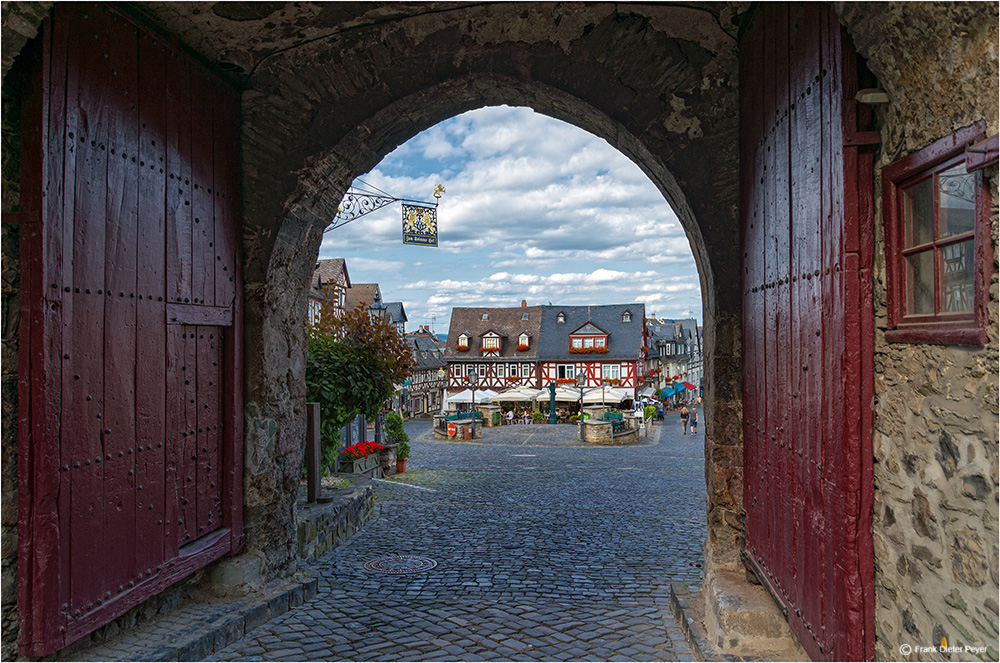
605 343
328 287
535 345
425 393
498 344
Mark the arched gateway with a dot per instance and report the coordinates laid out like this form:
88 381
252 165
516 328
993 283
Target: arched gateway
745 117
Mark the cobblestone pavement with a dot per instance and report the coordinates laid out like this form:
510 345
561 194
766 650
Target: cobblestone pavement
545 550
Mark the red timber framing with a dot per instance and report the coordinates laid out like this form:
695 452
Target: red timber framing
130 418
593 371
806 215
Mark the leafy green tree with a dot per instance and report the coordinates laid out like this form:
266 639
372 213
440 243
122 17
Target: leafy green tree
353 362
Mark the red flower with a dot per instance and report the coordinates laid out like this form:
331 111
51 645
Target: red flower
361 450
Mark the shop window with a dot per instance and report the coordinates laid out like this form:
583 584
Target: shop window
938 256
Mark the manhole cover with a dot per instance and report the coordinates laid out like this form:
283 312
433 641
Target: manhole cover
399 564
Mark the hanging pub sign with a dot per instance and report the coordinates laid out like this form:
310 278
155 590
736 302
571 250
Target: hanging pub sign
420 224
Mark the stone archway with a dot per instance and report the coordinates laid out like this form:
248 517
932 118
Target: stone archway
677 123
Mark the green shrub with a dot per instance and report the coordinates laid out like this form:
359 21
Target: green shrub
396 434
537 416
649 411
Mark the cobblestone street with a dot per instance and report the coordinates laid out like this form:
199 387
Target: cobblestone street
545 550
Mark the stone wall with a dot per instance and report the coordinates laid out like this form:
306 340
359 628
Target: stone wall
327 525
9 319
935 439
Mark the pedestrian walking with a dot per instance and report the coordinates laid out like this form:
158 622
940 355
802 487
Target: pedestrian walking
694 421
684 420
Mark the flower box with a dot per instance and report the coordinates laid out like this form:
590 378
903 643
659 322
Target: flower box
360 465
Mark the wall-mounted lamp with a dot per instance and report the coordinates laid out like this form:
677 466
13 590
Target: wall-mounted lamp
871 95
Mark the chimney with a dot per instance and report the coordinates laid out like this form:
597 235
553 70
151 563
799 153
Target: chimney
524 303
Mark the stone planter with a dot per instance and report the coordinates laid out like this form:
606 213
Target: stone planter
359 466
387 459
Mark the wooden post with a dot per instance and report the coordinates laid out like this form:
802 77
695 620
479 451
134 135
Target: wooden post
313 453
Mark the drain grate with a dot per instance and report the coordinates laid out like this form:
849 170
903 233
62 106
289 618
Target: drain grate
400 564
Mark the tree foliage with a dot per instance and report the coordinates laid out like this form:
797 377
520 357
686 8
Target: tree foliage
353 362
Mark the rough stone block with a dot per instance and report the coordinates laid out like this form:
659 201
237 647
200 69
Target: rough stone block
742 620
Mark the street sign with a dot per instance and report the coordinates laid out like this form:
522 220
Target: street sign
451 429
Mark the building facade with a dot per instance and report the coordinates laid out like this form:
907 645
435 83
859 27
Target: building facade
533 346
425 393
328 285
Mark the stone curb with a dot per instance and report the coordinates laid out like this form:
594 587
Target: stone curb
681 604
195 630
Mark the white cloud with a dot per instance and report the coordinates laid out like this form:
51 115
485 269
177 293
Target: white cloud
534 208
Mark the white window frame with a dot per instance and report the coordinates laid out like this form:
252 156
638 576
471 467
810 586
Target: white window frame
491 343
611 372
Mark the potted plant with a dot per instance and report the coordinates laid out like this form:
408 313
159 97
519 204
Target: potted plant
397 435
537 418
402 453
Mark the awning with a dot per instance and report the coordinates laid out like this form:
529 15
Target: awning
667 392
647 391
690 386
517 395
610 395
481 395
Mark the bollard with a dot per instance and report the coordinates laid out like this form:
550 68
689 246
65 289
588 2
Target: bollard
313 453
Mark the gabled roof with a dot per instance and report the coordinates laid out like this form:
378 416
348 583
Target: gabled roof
431 346
588 329
624 338
328 271
506 322
394 312
362 292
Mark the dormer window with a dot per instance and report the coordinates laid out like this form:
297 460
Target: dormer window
626 317
491 343
561 317
486 316
522 342
463 342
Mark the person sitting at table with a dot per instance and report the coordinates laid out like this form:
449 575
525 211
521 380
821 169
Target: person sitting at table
510 417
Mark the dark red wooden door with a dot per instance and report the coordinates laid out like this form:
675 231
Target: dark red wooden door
807 327
130 453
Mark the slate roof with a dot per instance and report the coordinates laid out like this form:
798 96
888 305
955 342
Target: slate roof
431 346
394 312
362 292
508 322
624 338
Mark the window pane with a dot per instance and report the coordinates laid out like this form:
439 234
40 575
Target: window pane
569 371
957 283
957 200
920 283
918 213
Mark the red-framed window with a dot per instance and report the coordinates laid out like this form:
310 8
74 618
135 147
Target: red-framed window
938 249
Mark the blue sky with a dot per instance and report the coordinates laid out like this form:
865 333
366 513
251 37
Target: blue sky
534 209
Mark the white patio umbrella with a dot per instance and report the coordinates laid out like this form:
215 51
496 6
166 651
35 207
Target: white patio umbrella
611 395
516 394
564 394
465 396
